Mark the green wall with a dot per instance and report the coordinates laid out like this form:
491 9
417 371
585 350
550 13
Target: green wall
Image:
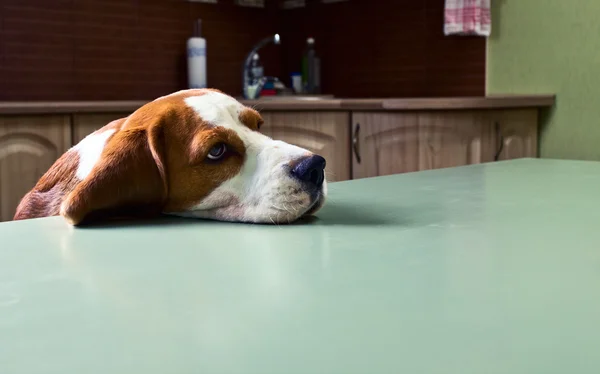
551 46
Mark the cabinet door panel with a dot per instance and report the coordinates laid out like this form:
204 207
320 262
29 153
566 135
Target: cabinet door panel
384 143
401 142
324 133
449 139
29 145
517 132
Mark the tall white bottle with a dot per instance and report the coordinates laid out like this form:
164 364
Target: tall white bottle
196 51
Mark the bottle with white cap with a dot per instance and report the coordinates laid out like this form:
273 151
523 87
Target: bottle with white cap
196 52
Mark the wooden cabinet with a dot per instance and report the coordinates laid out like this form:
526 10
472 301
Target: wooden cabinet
85 124
516 133
366 144
398 142
384 143
356 144
29 145
449 139
324 133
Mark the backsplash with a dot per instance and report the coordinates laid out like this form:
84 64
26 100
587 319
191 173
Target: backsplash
122 49
386 48
135 49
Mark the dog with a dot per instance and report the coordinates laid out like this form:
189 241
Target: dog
193 153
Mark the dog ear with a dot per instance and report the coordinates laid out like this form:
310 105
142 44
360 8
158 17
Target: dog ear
129 178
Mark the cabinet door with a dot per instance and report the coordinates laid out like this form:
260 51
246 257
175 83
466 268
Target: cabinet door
456 138
517 133
29 145
400 142
324 133
384 143
85 124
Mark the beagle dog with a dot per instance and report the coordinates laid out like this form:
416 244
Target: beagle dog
194 153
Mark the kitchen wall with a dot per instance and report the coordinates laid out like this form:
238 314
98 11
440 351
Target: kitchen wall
135 49
551 46
384 48
121 49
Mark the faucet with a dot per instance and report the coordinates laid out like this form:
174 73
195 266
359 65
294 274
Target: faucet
252 87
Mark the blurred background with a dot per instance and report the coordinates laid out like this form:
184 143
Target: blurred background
376 86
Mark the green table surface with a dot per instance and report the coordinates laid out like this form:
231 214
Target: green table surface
482 269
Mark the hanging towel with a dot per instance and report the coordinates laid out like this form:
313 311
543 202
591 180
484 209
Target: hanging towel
467 17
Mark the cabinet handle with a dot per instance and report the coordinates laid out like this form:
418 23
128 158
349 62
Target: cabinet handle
500 138
355 143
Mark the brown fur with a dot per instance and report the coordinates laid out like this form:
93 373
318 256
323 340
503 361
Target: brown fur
251 118
45 198
155 162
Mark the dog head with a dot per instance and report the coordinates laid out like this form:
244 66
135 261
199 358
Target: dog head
194 153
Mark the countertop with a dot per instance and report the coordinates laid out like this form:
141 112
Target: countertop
489 102
491 268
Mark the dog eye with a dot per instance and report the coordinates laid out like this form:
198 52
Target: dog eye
217 151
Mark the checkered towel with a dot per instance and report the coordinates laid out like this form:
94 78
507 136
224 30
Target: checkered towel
467 17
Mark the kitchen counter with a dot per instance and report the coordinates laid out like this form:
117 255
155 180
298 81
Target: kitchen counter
283 104
490 268
393 104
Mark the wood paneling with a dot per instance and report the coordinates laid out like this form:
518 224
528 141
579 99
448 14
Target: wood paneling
386 143
517 132
324 133
448 139
391 143
29 145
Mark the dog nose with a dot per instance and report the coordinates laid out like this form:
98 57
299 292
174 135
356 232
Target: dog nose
311 169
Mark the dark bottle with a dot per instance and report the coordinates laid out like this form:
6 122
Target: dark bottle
311 69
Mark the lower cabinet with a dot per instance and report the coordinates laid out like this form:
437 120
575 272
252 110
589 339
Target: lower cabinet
386 143
29 145
355 144
516 133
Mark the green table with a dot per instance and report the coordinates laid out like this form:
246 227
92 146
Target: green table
482 269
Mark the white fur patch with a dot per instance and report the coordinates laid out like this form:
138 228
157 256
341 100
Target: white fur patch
89 151
263 190
216 108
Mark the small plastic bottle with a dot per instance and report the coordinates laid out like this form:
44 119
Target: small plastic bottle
196 51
